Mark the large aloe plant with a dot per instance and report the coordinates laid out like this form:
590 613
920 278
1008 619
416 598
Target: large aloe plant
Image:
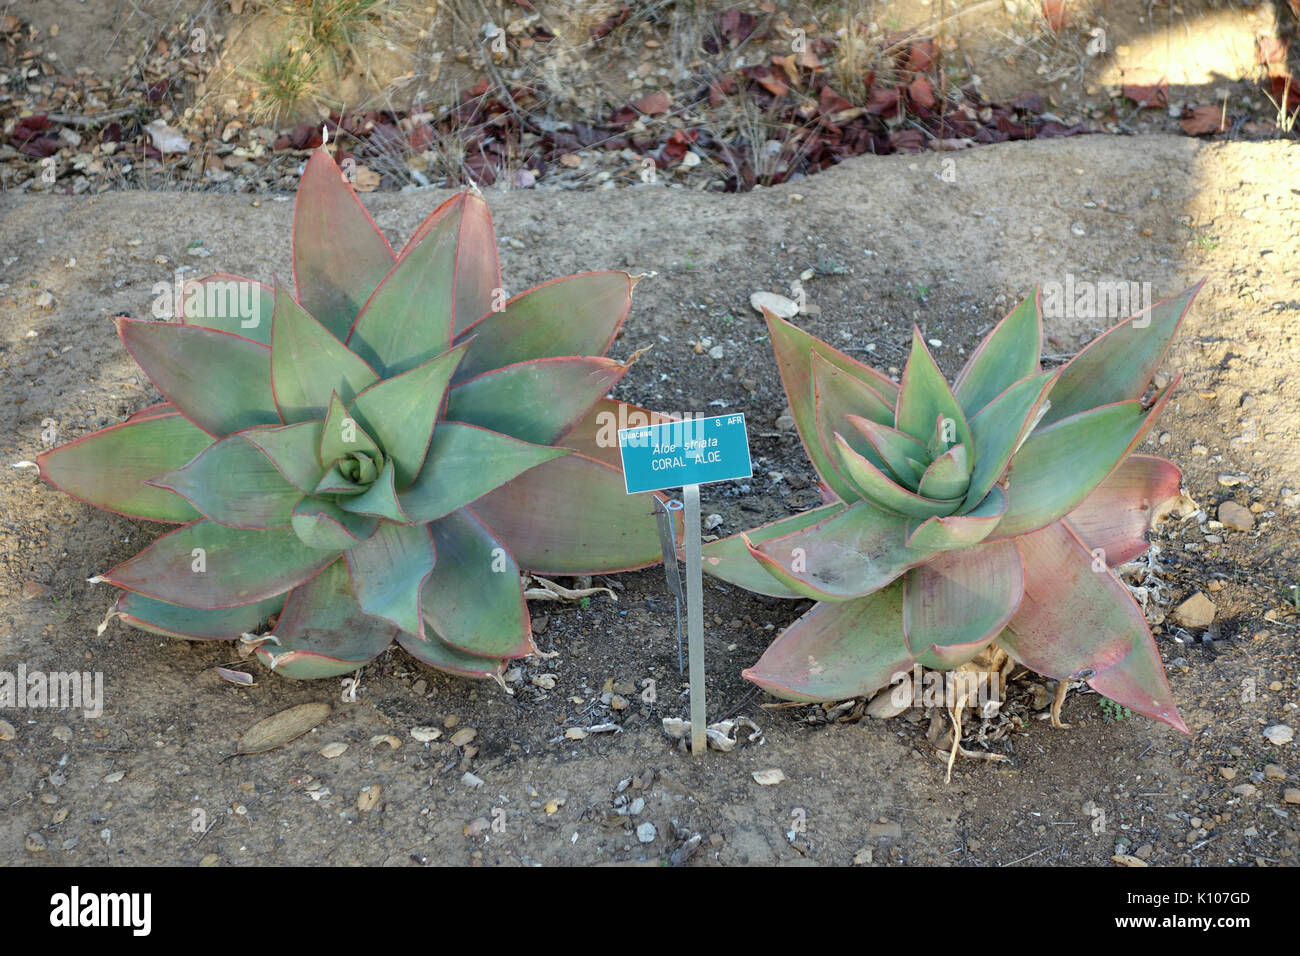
990 512
374 456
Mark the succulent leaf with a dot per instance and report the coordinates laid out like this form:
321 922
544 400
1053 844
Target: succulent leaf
477 272
379 498
1119 364
293 449
320 523
728 559
944 532
998 430
836 651
948 476
836 395
1076 621
896 450
235 484
924 398
1007 354
793 348
1116 516
388 570
217 380
231 304
568 316
477 613
596 434
209 566
955 604
342 437
323 632
308 364
874 485
109 468
175 620
339 254
436 652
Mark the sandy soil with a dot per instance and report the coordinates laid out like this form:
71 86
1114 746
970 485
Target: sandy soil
900 239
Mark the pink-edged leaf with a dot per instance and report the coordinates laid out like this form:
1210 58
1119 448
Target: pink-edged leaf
380 499
849 555
323 632
308 364
924 398
109 468
948 475
943 533
1059 466
729 559
577 315
794 347
1116 516
466 462
445 277
837 394
882 491
437 653
537 401
958 601
209 566
596 435
325 526
836 651
1079 622
234 483
175 620
1007 354
339 254
152 411
1118 365
473 600
229 303
293 451
892 447
388 570
998 430
573 515
219 381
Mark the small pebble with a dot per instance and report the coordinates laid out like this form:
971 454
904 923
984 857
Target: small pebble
646 832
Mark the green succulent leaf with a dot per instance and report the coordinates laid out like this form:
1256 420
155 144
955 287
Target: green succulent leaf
209 566
219 381
596 434
321 524
466 462
323 632
437 653
577 315
999 428
1059 466
388 570
109 468
1007 354
1118 365
729 560
955 604
379 499
943 533
342 437
836 651
948 476
235 484
538 401
1114 519
1077 622
900 453
837 395
445 277
572 515
231 304
880 490
853 553
473 600
925 398
308 364
401 412
293 451
336 483
176 620
339 254
794 348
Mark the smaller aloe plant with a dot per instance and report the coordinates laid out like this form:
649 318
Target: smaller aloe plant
990 513
375 457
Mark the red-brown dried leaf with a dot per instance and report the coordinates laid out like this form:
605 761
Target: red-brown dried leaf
1203 121
1146 88
883 102
829 101
921 93
920 56
607 26
1056 14
654 104
907 140
734 26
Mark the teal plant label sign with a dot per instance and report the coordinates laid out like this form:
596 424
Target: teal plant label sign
694 451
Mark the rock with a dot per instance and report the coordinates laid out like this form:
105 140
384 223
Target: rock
33 589
369 798
425 734
476 827
7 731
891 701
1274 771
1125 859
34 843
470 780
1227 773
45 300
1279 734
1245 790
1235 516
1197 611
1144 851
687 849
636 806
646 832
889 830
862 857
210 860
463 736
768 778
332 750
1291 795
777 304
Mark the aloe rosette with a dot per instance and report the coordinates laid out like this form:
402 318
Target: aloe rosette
989 512
375 456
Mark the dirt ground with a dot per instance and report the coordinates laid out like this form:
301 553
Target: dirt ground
895 240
